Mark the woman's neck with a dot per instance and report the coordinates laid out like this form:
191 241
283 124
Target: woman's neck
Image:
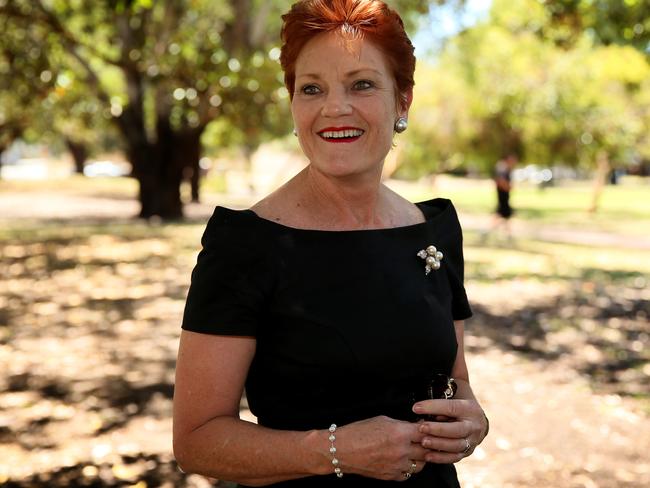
349 202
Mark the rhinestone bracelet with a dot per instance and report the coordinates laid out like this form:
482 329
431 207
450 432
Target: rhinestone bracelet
335 461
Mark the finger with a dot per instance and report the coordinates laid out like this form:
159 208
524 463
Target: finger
418 453
419 466
444 445
414 467
444 457
449 430
443 418
448 408
417 435
409 431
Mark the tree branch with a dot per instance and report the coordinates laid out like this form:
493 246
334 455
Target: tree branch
51 20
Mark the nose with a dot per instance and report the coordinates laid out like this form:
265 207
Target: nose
336 104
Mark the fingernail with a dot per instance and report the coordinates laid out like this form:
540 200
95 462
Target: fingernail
417 408
422 429
426 443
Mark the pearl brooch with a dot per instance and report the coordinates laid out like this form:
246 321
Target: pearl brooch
432 258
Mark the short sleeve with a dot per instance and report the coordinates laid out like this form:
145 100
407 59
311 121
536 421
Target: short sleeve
233 277
460 308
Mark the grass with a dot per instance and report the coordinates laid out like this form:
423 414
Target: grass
623 208
550 260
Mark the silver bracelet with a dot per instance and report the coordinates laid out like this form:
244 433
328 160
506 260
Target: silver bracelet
335 461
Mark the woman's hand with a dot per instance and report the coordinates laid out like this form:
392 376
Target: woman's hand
464 427
381 448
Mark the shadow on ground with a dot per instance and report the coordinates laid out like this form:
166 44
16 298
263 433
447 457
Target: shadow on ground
600 327
89 322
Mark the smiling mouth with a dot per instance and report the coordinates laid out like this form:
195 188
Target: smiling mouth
343 134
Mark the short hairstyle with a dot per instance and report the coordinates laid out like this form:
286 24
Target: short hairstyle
353 19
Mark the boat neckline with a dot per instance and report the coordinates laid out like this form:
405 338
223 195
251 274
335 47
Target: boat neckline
420 205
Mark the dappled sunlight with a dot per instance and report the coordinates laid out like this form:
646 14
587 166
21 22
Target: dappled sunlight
90 317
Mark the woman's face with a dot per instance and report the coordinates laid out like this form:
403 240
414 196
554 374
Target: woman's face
344 105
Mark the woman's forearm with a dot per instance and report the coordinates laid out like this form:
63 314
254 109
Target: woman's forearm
231 449
464 391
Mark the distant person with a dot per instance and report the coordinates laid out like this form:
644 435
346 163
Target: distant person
503 183
336 303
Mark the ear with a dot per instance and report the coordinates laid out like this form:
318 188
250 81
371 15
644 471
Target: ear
406 98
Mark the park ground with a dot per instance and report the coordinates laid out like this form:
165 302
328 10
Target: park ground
91 300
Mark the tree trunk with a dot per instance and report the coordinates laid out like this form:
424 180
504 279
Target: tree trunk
79 154
148 176
155 164
602 170
144 157
237 33
188 149
159 183
159 166
195 183
180 150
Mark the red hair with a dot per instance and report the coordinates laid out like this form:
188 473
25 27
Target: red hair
353 19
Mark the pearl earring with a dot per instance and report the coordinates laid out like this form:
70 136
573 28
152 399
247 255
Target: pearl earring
295 132
401 125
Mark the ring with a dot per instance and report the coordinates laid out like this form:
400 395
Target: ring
411 471
468 446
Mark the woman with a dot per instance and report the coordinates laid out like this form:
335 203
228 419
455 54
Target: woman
326 299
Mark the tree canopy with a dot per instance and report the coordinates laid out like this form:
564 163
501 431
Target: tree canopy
504 86
557 81
160 72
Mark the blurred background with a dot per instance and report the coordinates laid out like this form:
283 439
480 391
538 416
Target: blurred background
124 122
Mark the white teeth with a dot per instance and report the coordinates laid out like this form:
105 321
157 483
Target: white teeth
342 133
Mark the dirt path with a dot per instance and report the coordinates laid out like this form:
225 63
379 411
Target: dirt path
90 396
550 430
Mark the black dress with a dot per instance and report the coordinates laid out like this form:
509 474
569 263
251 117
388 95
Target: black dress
347 323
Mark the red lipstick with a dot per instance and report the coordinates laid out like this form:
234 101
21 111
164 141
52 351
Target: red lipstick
341 140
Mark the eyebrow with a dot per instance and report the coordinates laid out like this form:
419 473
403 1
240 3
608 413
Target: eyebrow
349 74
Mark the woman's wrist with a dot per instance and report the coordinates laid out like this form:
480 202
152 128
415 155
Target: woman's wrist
333 451
319 444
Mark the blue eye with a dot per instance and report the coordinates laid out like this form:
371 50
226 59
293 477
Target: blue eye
363 85
310 90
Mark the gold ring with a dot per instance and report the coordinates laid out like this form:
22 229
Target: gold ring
468 446
413 467
406 475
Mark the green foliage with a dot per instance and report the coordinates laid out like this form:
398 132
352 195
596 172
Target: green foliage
604 21
26 78
501 87
43 95
190 61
